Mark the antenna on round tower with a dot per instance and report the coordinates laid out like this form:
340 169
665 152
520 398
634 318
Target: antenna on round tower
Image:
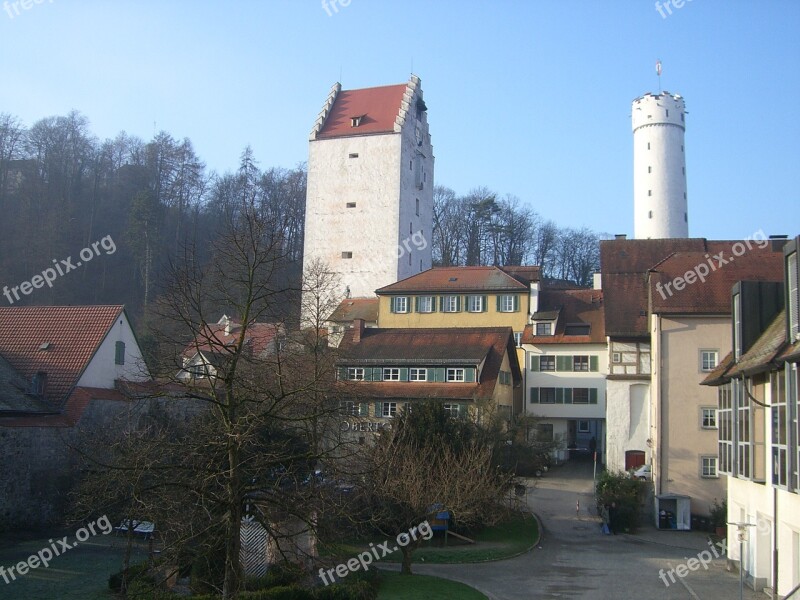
658 73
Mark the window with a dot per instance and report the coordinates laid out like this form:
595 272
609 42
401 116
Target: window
451 303
351 205
518 339
389 409
725 424
649 169
400 304
580 395
476 304
453 410
667 111
616 357
544 432
547 363
583 426
793 304
649 214
417 206
391 374
425 304
505 377
708 418
417 374
119 353
353 155
742 402
780 430
544 329
708 360
580 363
349 408
355 374
648 145
347 255
547 395
456 375
508 303
708 466
355 121
649 192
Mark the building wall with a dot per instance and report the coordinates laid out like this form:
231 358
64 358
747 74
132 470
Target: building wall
102 370
678 399
659 167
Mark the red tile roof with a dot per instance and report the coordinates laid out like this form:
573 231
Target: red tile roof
378 107
573 307
625 266
72 411
259 338
356 308
456 279
74 334
765 349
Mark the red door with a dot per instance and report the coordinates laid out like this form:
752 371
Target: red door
633 459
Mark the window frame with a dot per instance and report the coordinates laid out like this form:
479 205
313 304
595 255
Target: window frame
388 409
455 371
548 325
504 299
397 301
390 374
581 429
119 353
712 460
353 372
703 414
541 395
576 391
580 360
451 303
431 306
475 299
703 353
415 372
550 359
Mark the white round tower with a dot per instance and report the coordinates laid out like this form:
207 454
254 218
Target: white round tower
659 167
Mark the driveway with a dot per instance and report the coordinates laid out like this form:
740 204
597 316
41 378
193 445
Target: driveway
575 560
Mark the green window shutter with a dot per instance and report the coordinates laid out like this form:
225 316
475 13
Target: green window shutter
459 302
497 302
592 395
431 374
563 363
439 374
433 303
363 409
534 362
594 363
463 411
379 409
342 373
567 395
441 303
469 375
367 373
485 304
392 307
516 303
559 395
416 303
534 395
404 374
377 374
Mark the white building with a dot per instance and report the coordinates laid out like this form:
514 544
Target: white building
659 167
369 205
567 360
759 402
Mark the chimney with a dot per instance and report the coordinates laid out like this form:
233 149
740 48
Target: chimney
621 236
597 281
227 326
358 330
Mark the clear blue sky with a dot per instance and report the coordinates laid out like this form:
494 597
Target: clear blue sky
530 98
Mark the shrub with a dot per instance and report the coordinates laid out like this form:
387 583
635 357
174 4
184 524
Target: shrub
132 574
279 574
628 495
282 592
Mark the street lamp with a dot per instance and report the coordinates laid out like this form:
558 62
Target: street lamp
741 535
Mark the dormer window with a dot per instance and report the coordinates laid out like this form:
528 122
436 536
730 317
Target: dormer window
544 328
39 384
356 121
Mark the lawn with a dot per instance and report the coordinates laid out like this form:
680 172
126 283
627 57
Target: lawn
507 539
422 587
78 574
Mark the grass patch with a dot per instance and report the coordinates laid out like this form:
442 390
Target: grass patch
504 540
423 587
78 574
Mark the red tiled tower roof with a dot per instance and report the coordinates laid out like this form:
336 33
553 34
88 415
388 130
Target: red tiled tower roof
377 107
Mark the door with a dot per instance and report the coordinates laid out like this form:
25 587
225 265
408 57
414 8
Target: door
634 459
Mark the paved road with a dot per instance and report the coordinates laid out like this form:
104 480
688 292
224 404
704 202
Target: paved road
574 560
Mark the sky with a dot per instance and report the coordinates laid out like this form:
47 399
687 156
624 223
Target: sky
527 98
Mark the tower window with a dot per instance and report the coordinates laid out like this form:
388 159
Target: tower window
649 214
684 170
410 228
682 118
410 165
648 145
347 255
409 259
649 169
681 148
351 205
417 206
685 218
684 195
649 192
356 121
667 112
353 155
